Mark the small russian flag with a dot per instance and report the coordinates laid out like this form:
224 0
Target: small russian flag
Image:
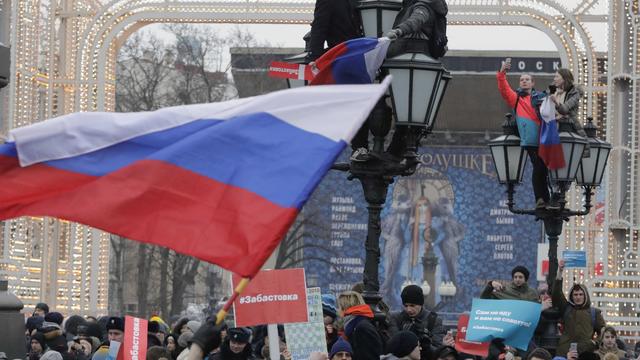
550 150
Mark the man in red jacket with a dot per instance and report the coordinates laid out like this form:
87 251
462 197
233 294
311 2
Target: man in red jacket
525 102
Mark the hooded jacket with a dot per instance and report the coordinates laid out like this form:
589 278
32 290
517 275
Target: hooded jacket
361 334
511 292
578 325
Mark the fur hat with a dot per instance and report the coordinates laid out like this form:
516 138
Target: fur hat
412 294
115 323
520 269
55 317
239 334
402 343
340 346
193 325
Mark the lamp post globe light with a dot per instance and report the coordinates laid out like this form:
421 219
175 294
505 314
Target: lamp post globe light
587 172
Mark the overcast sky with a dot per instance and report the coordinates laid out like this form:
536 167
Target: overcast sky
460 37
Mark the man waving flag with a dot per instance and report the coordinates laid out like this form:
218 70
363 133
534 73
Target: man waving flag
221 182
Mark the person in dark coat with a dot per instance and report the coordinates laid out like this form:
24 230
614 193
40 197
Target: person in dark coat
415 21
359 329
153 328
235 346
334 21
425 324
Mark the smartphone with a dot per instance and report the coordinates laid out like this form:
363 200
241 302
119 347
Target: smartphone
508 60
573 347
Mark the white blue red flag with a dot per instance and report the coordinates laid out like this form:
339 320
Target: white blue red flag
351 62
221 182
550 148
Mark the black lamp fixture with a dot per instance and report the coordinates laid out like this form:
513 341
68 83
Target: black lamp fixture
510 159
378 16
419 83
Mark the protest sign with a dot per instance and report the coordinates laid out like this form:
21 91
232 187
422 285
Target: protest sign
272 297
574 258
511 320
466 346
284 70
305 338
135 338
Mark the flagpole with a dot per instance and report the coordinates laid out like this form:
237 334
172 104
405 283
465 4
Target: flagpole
236 292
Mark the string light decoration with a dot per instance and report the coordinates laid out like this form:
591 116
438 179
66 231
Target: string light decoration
65 54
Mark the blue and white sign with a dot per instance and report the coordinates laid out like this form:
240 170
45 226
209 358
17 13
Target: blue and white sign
511 320
574 258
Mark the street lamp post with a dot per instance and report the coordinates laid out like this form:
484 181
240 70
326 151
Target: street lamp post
509 159
418 85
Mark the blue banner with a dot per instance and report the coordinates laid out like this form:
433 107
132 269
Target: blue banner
452 210
511 320
574 258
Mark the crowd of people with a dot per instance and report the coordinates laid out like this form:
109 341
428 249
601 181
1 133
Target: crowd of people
352 331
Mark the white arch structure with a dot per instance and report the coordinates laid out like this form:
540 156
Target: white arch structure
65 50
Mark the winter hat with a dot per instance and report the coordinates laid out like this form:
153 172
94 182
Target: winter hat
55 317
520 269
58 343
42 306
184 339
412 294
33 323
115 323
72 323
329 305
402 344
39 337
340 345
238 334
51 355
153 327
95 330
50 330
193 325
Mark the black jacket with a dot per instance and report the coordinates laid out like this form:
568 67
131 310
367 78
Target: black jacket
419 325
365 340
334 21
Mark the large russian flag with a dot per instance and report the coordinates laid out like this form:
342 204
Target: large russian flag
351 62
221 182
550 148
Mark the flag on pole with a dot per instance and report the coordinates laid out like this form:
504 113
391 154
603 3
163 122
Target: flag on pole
550 149
351 62
221 182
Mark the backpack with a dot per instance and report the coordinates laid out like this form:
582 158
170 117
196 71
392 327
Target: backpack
438 40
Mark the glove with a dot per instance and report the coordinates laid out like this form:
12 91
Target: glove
207 337
394 34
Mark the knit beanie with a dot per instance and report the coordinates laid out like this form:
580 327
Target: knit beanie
34 322
412 294
329 305
402 344
520 269
39 337
340 345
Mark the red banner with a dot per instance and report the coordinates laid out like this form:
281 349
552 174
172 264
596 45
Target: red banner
135 339
272 297
469 347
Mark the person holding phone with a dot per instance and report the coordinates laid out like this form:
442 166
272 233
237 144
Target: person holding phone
580 320
525 102
566 96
